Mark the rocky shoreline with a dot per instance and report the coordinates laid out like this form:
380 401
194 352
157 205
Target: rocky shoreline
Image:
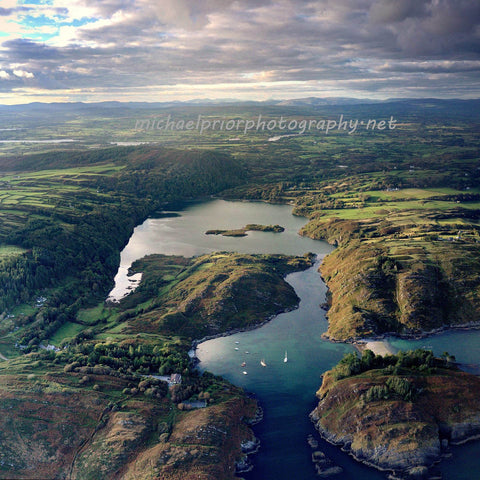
324 466
249 447
407 336
404 469
405 435
233 331
396 472
401 472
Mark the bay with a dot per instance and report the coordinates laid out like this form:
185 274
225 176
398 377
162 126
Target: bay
286 391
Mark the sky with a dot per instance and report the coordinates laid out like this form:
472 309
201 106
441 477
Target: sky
167 50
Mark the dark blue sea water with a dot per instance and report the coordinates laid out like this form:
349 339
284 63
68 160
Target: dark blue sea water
285 390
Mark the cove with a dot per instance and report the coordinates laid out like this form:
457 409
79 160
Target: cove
286 391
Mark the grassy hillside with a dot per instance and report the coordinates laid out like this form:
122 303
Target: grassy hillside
214 293
407 257
93 404
406 262
66 216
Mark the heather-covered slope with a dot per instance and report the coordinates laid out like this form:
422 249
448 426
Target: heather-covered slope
69 424
215 293
397 269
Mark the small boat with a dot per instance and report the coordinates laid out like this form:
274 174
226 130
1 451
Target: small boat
285 360
262 363
237 343
244 372
244 364
247 353
236 348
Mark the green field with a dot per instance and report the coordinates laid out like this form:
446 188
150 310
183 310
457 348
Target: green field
65 332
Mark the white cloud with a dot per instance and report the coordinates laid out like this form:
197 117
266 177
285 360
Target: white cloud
4 75
23 74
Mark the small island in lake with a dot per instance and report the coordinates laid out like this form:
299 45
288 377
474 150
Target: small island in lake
398 412
242 232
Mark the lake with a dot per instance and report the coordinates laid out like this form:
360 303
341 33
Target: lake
286 391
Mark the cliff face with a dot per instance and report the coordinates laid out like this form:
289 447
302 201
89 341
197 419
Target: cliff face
385 277
391 433
204 442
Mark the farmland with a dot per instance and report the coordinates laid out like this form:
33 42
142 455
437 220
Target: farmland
401 206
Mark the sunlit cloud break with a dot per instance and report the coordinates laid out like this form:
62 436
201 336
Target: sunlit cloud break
254 49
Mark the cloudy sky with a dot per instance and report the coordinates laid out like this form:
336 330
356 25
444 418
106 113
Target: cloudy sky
147 50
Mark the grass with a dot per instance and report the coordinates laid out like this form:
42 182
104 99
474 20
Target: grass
92 315
295 169
172 300
10 251
419 234
65 332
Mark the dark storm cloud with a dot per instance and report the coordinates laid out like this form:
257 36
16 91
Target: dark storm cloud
366 46
390 11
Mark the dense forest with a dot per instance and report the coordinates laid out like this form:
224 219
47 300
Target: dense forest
77 248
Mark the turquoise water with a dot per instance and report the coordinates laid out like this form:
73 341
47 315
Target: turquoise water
464 344
285 390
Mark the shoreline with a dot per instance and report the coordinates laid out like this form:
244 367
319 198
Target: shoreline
345 446
378 347
395 474
377 343
243 465
228 333
197 342
407 336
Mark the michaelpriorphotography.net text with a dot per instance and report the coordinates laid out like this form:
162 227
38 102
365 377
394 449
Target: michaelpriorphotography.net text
262 123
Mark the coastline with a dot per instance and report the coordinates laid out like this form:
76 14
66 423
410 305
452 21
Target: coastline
248 447
197 342
406 336
378 347
394 474
400 473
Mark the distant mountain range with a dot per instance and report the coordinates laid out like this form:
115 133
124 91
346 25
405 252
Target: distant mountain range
294 102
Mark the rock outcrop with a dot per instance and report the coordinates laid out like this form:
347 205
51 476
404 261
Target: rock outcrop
391 433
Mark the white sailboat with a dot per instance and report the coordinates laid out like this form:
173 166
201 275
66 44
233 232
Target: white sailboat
262 363
285 360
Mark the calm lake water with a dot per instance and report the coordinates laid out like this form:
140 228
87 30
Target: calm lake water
285 390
